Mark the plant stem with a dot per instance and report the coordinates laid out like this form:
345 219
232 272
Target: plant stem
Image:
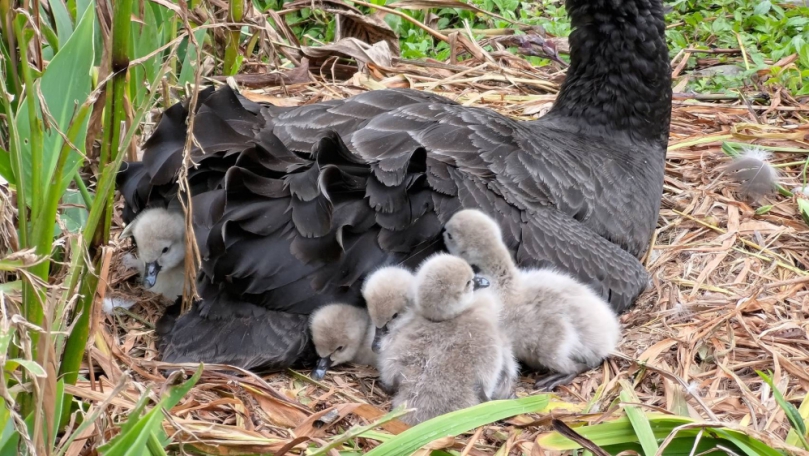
11 45
33 298
232 37
116 106
85 194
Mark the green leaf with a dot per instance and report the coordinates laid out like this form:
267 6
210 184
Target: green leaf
640 423
6 171
63 22
134 440
32 367
620 433
762 8
65 84
803 208
9 438
458 422
187 71
764 209
793 438
793 415
74 217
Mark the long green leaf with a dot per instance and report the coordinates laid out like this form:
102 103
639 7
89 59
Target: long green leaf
792 437
640 423
65 84
64 25
792 413
621 432
458 422
134 440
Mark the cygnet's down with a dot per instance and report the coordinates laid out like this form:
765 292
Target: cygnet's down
387 294
449 354
555 322
160 239
341 333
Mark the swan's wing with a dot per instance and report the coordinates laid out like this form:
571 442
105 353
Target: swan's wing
249 337
592 180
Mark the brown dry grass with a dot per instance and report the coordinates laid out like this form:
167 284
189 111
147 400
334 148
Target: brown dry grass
729 294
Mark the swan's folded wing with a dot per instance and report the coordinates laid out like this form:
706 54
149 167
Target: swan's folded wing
551 238
545 237
249 337
483 144
300 128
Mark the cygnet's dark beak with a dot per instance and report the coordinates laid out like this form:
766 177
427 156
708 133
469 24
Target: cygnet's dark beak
480 282
378 335
323 364
150 277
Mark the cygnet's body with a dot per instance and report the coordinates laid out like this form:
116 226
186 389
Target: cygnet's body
388 297
553 320
160 238
341 333
449 353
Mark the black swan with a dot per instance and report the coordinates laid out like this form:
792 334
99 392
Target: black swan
293 207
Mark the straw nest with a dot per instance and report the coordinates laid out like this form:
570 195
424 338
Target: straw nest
729 294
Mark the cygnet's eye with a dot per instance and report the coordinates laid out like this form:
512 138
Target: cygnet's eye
340 348
468 284
394 316
165 249
449 235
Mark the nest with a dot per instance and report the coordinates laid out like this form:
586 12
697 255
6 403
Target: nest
729 293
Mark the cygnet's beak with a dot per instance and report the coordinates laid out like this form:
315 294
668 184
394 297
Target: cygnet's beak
378 335
480 282
150 277
323 364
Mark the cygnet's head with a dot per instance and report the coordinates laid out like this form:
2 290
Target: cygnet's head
445 287
338 331
473 236
160 238
387 294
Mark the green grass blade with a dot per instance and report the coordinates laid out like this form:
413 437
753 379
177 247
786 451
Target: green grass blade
792 437
133 440
458 422
792 413
640 423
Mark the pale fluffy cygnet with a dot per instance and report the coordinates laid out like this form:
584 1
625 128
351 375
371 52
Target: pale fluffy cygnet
160 238
554 321
341 333
387 294
449 353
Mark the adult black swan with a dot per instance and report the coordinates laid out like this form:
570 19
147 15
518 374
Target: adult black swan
293 207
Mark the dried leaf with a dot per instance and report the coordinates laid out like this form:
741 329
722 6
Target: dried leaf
379 53
298 75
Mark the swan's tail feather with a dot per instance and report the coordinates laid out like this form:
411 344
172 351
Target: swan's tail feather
754 172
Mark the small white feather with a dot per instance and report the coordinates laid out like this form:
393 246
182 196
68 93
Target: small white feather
110 304
753 170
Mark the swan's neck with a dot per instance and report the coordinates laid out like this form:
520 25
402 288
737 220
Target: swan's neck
619 77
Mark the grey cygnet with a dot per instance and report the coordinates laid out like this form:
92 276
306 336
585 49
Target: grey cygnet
160 238
555 322
449 354
388 296
341 333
